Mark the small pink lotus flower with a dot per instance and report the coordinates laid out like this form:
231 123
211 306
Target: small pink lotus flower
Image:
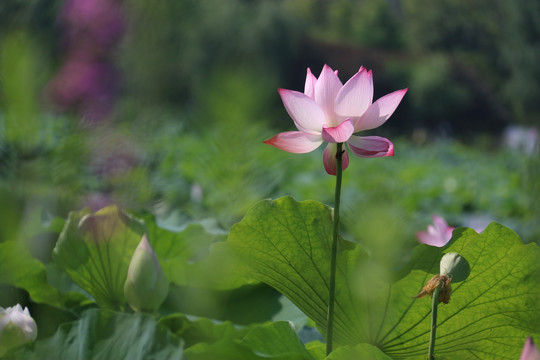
438 234
16 328
530 351
331 112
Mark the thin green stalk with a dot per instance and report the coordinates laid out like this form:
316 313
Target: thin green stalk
333 259
434 307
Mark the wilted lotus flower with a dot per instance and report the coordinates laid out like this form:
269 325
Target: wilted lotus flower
530 351
16 328
331 112
453 268
438 234
146 285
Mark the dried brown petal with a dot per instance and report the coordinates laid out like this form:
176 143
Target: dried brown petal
433 283
446 289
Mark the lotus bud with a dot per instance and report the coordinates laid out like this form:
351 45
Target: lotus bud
146 285
455 266
16 328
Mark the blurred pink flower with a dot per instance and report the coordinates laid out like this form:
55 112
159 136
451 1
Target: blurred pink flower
88 87
530 351
95 25
88 82
97 201
438 234
331 112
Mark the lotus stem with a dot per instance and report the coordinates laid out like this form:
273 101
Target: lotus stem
434 307
333 259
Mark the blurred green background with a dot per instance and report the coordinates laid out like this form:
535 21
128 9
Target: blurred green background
189 94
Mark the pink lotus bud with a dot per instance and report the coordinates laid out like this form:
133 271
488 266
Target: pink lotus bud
530 351
146 285
16 328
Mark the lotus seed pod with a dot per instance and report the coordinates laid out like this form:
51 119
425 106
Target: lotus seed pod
16 328
146 285
455 266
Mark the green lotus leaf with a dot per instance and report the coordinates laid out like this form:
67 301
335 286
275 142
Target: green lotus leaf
105 335
95 250
286 244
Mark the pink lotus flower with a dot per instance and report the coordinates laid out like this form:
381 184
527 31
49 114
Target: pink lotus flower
438 234
331 112
530 351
